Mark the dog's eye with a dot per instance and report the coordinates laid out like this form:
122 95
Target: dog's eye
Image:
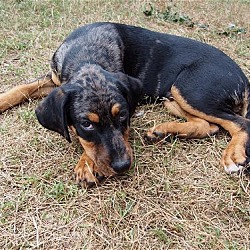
87 125
123 116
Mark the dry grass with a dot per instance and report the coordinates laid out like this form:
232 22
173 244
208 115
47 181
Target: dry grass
175 197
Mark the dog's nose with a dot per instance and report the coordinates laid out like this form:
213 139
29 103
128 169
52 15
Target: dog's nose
121 166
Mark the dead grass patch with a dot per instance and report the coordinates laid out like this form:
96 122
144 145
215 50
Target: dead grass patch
175 197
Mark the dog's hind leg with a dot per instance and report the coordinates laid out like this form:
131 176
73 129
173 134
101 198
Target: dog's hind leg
36 89
194 127
200 125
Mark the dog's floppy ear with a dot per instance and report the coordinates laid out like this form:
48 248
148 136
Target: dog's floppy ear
52 112
131 88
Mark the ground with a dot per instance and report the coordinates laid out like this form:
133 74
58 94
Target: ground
176 196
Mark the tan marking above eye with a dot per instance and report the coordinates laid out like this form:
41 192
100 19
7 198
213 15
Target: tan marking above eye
115 110
93 117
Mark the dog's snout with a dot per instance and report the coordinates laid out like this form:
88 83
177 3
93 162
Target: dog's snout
121 166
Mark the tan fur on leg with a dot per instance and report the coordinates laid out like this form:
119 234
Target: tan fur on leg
194 127
234 156
37 89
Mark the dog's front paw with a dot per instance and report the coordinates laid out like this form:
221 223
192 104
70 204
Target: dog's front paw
85 172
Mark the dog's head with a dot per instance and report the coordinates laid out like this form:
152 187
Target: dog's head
97 105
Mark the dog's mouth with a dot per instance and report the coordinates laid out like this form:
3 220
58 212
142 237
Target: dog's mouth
105 169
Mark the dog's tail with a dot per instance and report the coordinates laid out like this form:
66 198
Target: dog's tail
36 89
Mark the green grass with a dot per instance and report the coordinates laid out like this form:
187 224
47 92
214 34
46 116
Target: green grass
175 197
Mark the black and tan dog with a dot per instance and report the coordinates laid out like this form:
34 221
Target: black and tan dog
102 70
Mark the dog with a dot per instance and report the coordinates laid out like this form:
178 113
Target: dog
102 71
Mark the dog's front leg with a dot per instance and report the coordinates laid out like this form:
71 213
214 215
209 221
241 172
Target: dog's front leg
86 172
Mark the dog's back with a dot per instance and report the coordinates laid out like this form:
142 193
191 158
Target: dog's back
154 58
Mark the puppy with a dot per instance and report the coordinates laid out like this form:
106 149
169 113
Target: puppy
102 71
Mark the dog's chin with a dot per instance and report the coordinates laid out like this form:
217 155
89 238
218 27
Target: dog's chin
108 171
105 170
